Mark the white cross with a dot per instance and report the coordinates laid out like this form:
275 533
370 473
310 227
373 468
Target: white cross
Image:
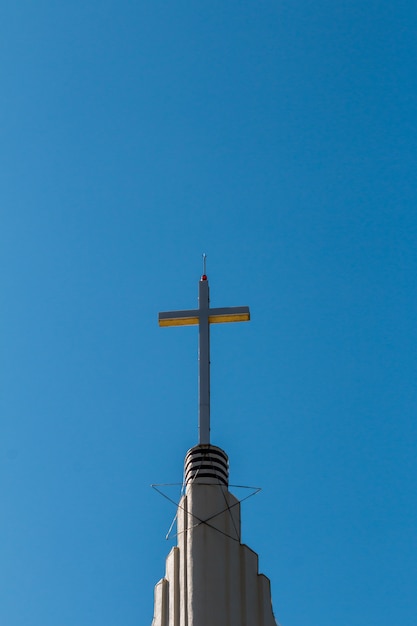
204 316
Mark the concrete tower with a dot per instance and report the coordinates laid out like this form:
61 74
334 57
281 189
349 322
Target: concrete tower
211 578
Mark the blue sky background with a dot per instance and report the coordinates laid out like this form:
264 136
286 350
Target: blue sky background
280 139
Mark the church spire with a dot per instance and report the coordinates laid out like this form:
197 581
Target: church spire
211 578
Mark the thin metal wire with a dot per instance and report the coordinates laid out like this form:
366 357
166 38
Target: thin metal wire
200 521
171 527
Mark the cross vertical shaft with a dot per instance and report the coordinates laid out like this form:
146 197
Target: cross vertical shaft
203 363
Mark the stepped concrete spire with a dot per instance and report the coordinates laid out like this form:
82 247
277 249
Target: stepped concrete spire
211 578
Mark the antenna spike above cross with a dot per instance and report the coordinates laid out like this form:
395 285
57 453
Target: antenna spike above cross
203 317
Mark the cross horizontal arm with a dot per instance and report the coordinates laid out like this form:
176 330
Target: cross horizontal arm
229 314
215 316
179 318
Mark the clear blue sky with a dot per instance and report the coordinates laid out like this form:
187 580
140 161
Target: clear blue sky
280 139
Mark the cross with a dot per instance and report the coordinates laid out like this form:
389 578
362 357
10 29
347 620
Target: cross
204 316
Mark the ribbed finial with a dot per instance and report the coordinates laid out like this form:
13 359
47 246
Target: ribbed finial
206 464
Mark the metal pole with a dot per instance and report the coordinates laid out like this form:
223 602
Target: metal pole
203 362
